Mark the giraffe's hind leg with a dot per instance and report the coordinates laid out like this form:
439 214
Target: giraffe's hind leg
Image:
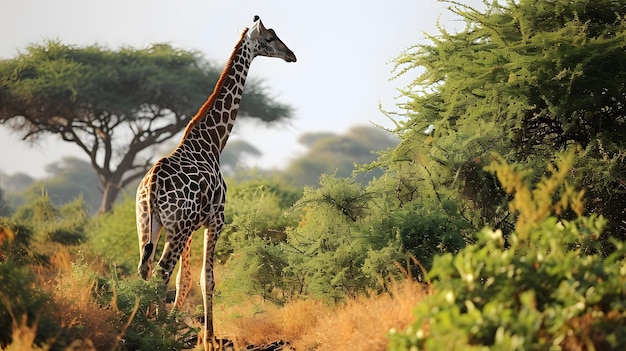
175 243
183 278
207 280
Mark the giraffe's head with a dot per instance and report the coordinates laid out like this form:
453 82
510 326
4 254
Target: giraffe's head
267 43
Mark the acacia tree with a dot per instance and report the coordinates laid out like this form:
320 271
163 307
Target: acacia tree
526 79
337 154
114 104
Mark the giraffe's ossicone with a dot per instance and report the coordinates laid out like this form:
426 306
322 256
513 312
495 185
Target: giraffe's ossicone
185 190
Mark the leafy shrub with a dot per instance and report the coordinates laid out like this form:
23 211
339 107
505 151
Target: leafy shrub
526 79
327 250
113 236
15 241
135 299
258 269
425 231
52 225
550 289
21 298
255 208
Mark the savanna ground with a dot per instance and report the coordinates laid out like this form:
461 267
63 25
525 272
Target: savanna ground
360 323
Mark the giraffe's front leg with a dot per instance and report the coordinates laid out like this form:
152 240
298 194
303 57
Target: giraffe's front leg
207 281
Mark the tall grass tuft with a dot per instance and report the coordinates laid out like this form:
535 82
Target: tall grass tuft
362 323
76 308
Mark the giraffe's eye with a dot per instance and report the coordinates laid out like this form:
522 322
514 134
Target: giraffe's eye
269 40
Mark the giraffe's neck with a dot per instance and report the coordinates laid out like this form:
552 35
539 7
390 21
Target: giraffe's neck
210 128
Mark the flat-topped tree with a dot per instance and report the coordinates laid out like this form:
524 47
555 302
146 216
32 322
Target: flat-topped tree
113 104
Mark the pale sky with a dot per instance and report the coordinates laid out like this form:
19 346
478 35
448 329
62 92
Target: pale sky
344 49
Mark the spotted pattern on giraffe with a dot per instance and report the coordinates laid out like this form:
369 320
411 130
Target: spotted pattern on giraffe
185 190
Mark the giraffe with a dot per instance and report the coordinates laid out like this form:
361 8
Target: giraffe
185 190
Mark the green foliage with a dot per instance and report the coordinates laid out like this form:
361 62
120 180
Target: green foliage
64 224
113 236
349 240
425 231
11 187
38 229
256 208
21 297
337 249
5 208
525 79
259 268
80 304
602 174
135 299
15 239
325 256
67 179
251 241
334 241
335 195
550 289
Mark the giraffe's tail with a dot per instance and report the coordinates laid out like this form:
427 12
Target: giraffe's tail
144 266
148 227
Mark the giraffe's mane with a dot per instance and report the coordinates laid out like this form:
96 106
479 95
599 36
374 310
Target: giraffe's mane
211 100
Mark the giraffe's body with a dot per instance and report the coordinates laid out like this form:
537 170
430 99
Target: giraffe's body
185 190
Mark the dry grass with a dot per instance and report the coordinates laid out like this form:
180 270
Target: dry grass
89 326
359 324
23 339
23 336
288 323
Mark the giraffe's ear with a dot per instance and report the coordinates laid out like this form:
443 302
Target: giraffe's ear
258 23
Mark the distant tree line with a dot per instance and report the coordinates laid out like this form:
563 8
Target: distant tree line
72 177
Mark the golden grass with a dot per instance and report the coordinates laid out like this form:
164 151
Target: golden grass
23 339
288 323
23 336
91 326
358 324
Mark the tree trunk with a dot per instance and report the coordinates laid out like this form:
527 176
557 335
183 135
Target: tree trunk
109 195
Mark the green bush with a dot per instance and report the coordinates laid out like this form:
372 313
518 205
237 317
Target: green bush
258 269
37 230
425 231
145 328
21 297
15 239
327 248
113 236
52 225
551 289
